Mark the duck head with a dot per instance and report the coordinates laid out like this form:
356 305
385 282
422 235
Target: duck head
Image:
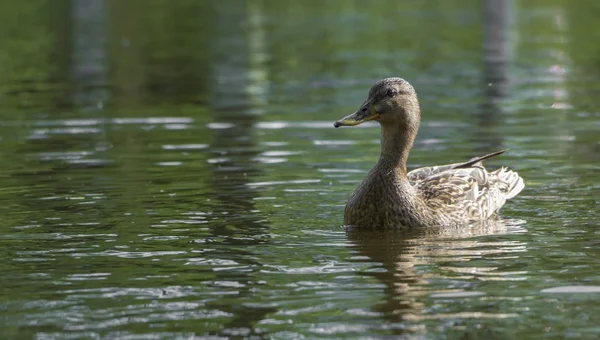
391 101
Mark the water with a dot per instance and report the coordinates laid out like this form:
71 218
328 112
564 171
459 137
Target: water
170 169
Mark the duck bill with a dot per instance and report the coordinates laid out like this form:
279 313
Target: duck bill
358 117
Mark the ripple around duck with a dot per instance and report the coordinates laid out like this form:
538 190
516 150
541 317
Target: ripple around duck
273 183
334 142
270 160
572 290
169 163
185 146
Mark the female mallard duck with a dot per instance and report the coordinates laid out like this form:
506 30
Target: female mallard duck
445 195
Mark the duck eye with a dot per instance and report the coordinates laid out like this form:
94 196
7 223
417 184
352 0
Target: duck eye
392 92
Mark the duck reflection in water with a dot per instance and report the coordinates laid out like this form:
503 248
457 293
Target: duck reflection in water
420 264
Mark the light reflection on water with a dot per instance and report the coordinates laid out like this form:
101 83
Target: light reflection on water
273 258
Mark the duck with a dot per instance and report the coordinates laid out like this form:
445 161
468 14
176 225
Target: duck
449 195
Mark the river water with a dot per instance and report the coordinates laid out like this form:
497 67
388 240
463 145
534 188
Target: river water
170 169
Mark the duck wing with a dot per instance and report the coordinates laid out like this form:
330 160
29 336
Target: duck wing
417 175
467 187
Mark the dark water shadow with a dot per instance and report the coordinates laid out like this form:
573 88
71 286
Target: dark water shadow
233 106
79 79
495 81
403 257
234 101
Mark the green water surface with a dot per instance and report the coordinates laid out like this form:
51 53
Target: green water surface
169 169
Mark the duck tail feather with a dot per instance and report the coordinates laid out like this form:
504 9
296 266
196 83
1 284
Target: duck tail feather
514 182
475 160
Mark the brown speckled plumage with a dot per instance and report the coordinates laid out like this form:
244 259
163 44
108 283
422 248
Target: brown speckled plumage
446 195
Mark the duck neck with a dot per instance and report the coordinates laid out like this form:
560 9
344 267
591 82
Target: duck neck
396 142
